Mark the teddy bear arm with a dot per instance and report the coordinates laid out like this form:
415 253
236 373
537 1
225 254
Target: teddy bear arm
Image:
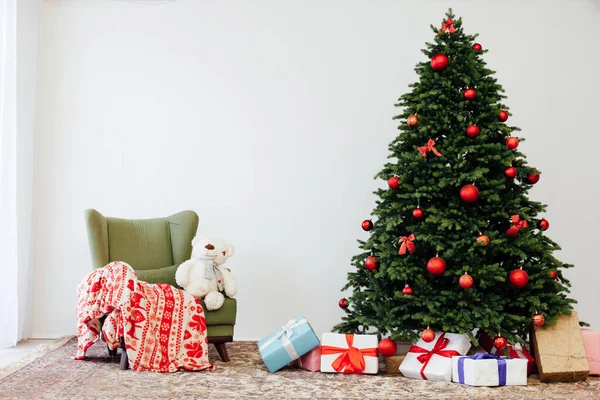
229 283
182 275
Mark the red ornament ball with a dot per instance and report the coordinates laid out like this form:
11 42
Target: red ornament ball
387 347
538 319
533 178
503 116
428 335
469 193
412 120
407 290
367 225
512 142
371 263
477 47
483 240
553 274
470 94
472 131
436 266
439 62
343 303
418 213
500 342
394 182
518 278
465 281
544 224
510 172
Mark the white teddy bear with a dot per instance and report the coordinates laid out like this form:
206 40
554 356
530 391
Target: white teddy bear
203 276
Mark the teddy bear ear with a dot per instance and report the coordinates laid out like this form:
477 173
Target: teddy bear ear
230 250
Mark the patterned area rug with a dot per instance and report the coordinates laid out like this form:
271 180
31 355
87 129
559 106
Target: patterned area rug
57 376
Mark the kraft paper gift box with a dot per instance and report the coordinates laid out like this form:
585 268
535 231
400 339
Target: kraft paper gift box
487 369
350 354
287 344
514 351
433 361
591 341
311 361
559 351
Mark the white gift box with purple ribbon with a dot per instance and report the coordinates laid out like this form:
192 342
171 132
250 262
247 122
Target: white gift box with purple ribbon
485 369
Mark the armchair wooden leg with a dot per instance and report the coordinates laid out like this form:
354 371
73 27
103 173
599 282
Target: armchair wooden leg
220 344
222 349
112 353
124 360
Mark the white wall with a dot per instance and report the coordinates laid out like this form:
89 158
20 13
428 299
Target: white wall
28 32
270 118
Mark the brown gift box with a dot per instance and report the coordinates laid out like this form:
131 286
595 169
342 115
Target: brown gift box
559 351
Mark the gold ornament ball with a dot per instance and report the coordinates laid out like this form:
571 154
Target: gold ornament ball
483 240
538 319
412 120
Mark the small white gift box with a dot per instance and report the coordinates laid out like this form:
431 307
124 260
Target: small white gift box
433 360
485 369
350 354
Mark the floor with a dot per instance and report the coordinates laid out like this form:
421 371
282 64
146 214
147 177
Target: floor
98 377
23 350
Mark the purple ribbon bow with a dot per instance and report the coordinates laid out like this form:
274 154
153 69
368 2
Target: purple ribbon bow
483 356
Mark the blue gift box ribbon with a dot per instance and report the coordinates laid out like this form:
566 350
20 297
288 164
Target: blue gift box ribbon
285 334
483 356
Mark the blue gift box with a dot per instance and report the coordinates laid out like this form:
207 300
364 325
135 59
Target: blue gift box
287 344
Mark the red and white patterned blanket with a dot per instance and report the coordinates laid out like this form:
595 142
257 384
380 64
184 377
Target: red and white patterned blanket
164 328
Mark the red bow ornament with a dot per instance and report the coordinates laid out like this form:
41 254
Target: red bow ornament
438 349
351 360
407 244
429 147
447 26
517 224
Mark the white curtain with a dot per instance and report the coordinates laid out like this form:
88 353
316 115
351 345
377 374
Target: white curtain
19 38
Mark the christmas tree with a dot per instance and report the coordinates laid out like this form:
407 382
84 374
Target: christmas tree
455 244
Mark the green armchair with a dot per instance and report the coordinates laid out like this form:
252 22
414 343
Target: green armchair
155 248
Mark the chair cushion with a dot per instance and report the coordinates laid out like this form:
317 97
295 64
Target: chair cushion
223 316
219 330
158 275
141 243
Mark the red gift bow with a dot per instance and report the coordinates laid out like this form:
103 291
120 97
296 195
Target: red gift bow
515 351
429 147
407 244
447 26
441 344
352 359
518 224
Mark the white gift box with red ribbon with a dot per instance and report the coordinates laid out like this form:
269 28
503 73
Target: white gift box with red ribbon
350 354
433 360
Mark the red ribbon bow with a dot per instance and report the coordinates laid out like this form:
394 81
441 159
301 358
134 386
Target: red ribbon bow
517 224
407 244
447 26
352 360
429 147
438 349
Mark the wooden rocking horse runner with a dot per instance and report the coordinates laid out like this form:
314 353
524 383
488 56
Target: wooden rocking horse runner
163 328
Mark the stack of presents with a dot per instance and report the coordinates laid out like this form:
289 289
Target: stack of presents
561 353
